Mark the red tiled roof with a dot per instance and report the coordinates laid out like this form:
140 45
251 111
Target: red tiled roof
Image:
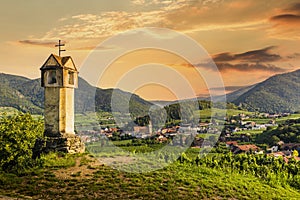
248 147
232 143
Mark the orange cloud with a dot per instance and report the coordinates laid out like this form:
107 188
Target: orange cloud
181 15
260 55
38 42
286 25
255 60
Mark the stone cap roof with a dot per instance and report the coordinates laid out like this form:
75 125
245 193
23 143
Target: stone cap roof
55 61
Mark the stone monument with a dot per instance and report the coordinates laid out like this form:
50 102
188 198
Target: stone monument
59 77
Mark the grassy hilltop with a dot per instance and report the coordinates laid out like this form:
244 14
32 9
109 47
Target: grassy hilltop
83 177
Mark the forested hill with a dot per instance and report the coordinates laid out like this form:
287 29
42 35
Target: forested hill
279 93
28 96
14 93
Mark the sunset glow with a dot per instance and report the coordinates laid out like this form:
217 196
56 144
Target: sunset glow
248 40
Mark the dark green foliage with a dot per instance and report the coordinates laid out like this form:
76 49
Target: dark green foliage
15 93
288 132
122 102
142 121
277 94
28 96
18 134
89 98
236 94
57 160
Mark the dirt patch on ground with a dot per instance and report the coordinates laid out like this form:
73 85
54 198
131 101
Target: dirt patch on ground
86 166
7 198
116 160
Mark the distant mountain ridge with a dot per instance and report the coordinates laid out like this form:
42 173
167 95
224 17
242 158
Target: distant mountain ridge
27 95
277 94
230 97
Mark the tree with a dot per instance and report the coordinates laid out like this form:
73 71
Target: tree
18 134
274 140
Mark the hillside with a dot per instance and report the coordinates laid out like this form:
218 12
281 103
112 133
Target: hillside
84 177
279 93
27 95
236 94
14 93
230 97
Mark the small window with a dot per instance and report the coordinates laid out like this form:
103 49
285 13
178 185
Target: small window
71 78
52 77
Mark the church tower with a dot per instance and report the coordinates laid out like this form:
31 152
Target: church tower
59 77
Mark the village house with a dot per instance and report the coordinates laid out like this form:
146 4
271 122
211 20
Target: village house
203 127
230 144
245 149
273 149
249 125
236 149
200 143
285 155
141 129
161 139
290 146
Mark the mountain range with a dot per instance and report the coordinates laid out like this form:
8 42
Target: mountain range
27 95
279 93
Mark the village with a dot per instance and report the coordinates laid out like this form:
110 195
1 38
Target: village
236 135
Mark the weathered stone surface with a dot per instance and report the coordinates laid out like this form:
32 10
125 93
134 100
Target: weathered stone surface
67 143
59 77
59 111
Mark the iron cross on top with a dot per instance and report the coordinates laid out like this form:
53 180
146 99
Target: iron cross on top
59 45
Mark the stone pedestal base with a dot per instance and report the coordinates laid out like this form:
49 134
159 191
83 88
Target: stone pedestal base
67 143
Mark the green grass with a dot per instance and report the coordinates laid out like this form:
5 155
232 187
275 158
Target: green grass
122 142
259 120
177 181
92 120
232 112
86 121
8 110
207 113
251 132
292 116
278 120
54 160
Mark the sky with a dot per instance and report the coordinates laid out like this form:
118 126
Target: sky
248 40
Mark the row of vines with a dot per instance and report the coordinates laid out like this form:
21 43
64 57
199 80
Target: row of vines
275 171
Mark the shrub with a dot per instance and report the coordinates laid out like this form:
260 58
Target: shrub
17 136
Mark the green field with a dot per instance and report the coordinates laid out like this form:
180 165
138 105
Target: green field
292 116
8 110
206 114
250 132
11 111
86 121
81 177
162 172
278 120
